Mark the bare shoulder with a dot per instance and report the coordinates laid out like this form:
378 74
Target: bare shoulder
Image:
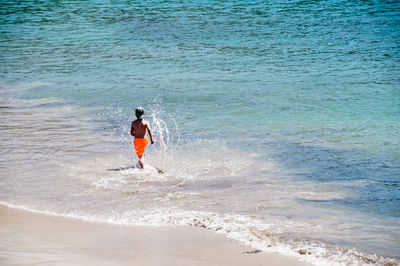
145 122
137 123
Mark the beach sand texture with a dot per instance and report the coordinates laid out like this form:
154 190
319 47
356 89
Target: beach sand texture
38 239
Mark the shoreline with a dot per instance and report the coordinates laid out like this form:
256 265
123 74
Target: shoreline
36 238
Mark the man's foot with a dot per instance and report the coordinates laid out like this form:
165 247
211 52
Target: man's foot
141 163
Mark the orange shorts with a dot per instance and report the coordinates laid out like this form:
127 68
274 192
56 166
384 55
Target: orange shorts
140 145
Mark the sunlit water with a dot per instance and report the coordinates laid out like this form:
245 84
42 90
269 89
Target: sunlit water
275 123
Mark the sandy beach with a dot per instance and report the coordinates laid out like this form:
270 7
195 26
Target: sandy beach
32 238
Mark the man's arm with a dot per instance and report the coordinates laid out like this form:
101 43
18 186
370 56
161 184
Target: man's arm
132 130
150 134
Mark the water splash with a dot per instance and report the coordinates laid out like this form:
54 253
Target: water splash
166 140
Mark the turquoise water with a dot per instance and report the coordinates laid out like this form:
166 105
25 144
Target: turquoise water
312 87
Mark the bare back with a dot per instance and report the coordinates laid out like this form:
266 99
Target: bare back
139 127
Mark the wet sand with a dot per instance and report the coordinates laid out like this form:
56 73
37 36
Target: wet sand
32 238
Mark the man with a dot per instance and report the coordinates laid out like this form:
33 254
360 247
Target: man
138 130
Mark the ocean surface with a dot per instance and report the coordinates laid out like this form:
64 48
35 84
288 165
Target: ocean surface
276 123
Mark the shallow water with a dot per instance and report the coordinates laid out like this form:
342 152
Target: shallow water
276 124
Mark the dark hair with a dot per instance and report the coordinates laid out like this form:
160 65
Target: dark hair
139 112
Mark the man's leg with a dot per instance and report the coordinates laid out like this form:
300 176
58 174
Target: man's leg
141 162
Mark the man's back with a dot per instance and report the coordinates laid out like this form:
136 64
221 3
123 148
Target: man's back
139 126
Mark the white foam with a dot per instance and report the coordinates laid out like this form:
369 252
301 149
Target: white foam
255 233
248 230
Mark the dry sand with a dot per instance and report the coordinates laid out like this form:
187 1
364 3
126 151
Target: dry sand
32 238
